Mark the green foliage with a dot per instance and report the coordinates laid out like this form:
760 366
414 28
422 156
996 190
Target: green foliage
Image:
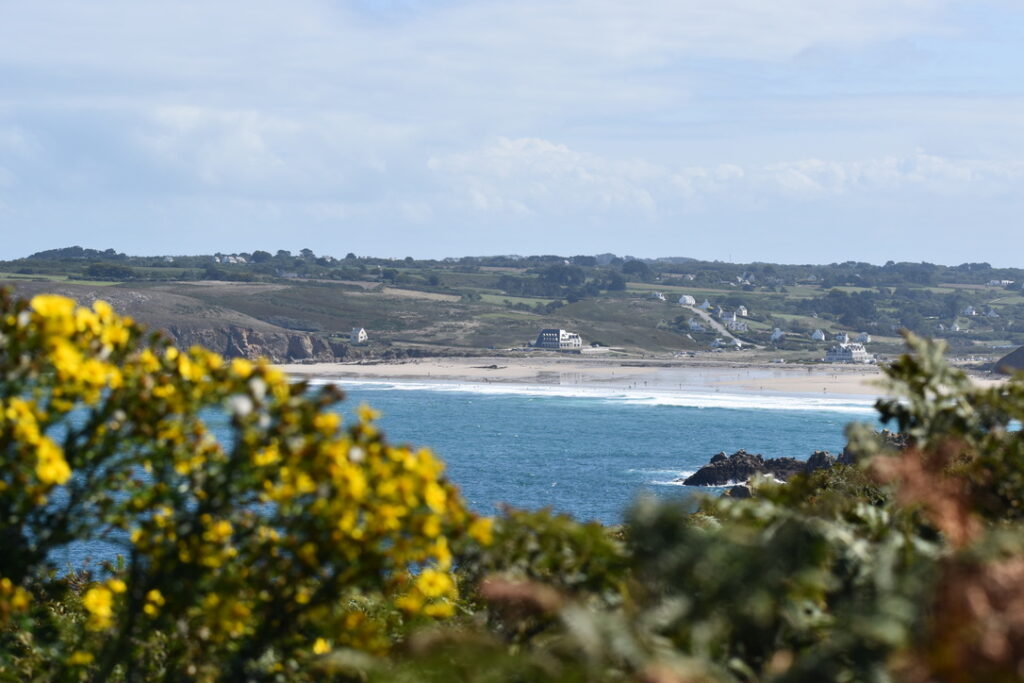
241 558
300 550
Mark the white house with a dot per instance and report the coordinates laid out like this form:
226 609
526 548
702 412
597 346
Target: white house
687 300
970 310
863 338
778 335
358 335
842 338
818 335
658 295
558 339
741 311
847 353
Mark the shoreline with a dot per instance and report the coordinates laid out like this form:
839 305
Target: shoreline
663 376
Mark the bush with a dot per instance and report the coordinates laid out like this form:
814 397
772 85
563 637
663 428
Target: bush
243 556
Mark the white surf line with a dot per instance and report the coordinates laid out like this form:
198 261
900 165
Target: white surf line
651 397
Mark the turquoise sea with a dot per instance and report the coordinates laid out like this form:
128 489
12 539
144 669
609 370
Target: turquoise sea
591 452
586 452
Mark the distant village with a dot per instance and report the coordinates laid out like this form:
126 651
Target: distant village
713 319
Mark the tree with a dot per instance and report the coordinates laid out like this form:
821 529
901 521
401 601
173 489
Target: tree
637 269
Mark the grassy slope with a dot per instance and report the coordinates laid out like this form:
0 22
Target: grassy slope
394 314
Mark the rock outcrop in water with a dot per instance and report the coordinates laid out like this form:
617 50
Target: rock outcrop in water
730 470
724 470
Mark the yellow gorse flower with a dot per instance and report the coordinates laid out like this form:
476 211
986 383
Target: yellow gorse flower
99 603
301 519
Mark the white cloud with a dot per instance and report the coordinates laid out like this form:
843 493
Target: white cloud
302 154
534 176
925 173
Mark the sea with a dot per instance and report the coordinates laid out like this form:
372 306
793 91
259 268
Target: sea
591 452
587 452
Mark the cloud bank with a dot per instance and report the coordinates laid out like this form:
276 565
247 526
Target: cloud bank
499 126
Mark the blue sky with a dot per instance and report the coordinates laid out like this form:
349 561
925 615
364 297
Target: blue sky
790 131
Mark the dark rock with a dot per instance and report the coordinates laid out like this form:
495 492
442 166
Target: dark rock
1011 362
722 471
739 491
820 460
740 466
785 469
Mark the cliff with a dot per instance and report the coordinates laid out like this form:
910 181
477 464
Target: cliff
233 341
190 321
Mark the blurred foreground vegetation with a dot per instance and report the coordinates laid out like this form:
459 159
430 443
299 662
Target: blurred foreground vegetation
303 549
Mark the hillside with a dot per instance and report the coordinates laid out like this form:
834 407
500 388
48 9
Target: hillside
302 307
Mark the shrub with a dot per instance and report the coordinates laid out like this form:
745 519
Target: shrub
255 553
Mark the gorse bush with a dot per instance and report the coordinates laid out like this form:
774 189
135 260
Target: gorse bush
241 557
298 548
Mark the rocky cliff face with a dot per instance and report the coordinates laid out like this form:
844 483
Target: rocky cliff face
233 341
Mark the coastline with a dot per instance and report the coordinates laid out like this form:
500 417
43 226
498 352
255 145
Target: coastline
609 374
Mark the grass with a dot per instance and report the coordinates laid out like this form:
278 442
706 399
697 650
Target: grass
37 277
501 299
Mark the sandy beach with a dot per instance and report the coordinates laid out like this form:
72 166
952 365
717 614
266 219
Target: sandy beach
823 380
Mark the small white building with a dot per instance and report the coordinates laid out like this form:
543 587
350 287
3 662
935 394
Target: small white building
863 338
741 311
842 338
658 295
847 353
559 340
778 335
358 335
818 335
970 310
687 300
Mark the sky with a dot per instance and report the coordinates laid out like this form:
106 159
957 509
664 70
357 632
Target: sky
793 131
